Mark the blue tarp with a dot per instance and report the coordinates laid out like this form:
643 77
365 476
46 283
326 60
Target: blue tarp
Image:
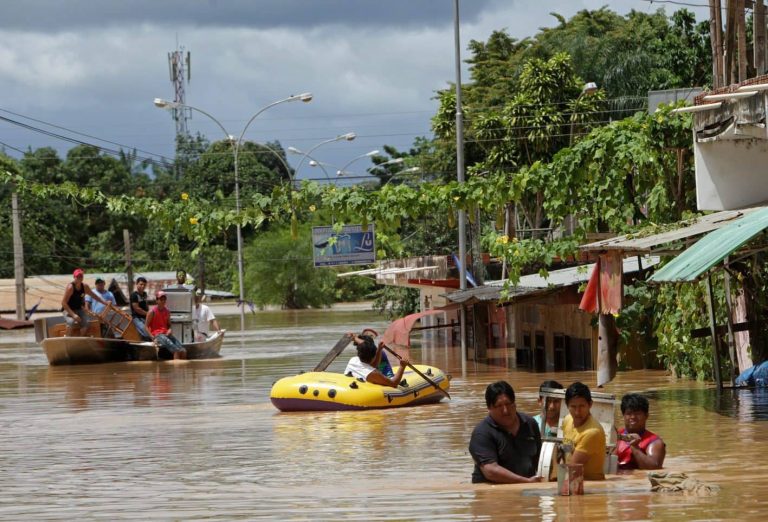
755 376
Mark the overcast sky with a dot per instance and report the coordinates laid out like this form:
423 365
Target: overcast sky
94 67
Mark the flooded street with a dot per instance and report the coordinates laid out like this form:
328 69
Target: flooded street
201 440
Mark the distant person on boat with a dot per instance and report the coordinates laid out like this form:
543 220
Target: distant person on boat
140 308
506 444
583 433
638 448
364 365
202 319
181 281
73 304
553 409
159 325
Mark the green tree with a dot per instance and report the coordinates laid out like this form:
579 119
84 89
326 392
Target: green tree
281 271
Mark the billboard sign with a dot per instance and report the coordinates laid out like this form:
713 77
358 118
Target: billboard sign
350 246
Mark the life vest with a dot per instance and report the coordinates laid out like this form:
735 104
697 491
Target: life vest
624 452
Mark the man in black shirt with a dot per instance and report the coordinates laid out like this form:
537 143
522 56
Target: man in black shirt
506 444
139 308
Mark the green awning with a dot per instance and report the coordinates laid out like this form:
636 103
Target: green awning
712 248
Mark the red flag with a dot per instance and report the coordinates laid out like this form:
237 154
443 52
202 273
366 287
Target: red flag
589 300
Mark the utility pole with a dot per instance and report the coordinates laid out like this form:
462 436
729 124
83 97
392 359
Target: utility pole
462 218
18 259
128 261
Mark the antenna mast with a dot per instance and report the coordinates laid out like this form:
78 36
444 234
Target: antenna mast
180 72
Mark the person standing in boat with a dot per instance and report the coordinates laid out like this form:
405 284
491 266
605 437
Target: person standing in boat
364 365
552 411
506 444
583 433
159 326
202 318
73 304
638 448
140 308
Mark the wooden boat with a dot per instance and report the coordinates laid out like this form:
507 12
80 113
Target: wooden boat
95 348
315 391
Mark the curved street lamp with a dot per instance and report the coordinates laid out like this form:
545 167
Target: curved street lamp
342 137
343 170
165 104
312 161
410 170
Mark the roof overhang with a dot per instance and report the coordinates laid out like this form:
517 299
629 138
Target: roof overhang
536 284
712 249
664 242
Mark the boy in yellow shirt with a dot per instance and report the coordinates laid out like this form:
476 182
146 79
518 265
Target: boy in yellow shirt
583 432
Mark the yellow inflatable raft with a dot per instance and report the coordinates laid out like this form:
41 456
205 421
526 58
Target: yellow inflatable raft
313 391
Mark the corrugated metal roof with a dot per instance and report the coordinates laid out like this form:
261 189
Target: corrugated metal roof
693 227
712 248
534 283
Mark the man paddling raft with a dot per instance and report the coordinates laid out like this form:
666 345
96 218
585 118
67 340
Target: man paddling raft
364 366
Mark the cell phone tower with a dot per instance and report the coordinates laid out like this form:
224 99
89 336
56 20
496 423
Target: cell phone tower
180 72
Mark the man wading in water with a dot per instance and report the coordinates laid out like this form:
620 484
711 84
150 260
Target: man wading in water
506 444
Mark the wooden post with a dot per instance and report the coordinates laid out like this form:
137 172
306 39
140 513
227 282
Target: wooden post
713 330
715 31
758 21
128 261
729 323
201 272
742 35
730 43
18 259
606 339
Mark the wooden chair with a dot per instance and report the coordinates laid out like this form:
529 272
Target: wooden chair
120 322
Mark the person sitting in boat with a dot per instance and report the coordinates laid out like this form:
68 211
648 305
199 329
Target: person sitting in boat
73 304
382 363
553 409
364 365
97 308
202 318
159 325
140 308
506 444
638 448
583 433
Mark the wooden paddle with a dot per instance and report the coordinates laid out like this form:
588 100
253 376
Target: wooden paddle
420 374
335 351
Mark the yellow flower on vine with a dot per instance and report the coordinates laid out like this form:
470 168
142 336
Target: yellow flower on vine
193 221
502 239
456 198
312 208
184 196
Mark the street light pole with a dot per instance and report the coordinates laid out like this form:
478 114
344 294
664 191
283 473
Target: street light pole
460 177
343 169
305 97
348 137
410 170
588 88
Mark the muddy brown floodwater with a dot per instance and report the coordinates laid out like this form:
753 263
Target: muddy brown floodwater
200 440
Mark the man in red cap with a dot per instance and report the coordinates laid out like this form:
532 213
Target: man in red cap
73 304
159 326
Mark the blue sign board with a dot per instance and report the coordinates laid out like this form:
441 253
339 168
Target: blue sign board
350 246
